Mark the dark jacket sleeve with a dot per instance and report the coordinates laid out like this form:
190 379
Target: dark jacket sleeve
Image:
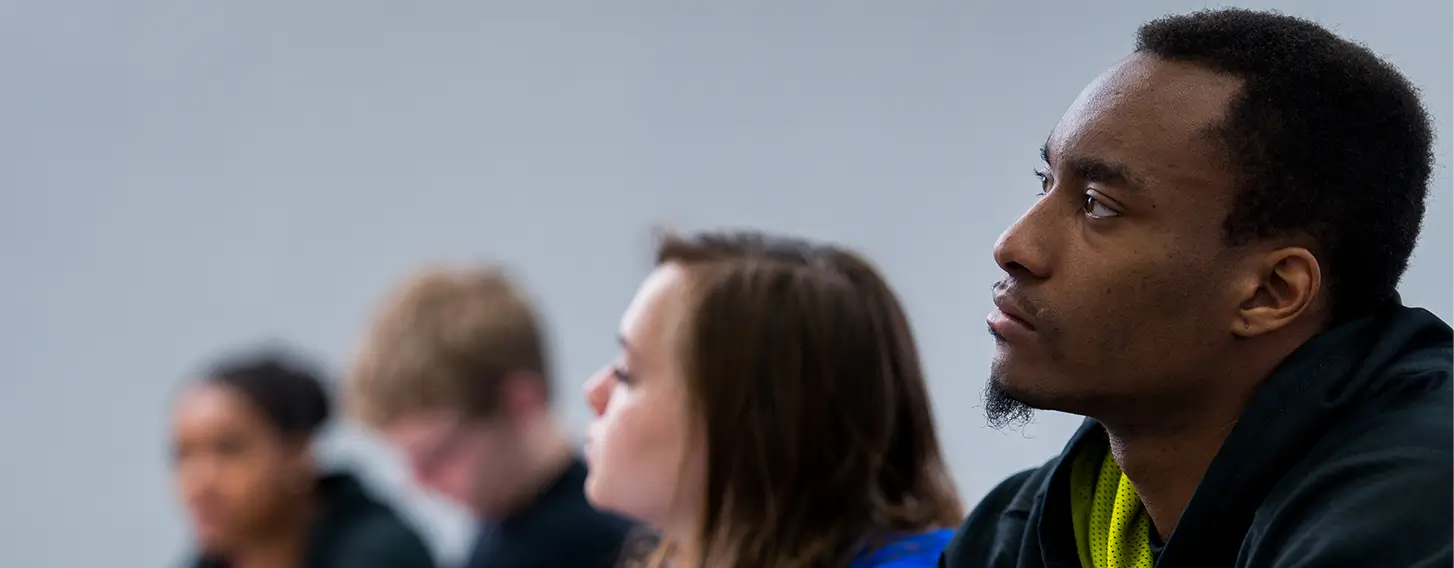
992 532
1380 499
384 542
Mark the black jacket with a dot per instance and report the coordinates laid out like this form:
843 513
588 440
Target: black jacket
1343 458
559 529
355 531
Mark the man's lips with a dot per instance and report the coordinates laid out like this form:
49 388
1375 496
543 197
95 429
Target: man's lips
1008 319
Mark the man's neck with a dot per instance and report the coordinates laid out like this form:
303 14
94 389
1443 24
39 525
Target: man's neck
1166 460
546 451
1167 466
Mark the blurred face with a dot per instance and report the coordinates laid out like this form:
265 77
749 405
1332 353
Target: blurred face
467 461
234 474
640 455
1117 296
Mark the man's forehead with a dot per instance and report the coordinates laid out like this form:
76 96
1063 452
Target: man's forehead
421 427
1144 109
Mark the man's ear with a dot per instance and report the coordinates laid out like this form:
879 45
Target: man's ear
523 394
1282 285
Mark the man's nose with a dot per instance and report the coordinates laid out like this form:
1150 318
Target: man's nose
1025 250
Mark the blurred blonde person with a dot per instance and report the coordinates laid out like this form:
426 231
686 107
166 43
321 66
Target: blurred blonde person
454 371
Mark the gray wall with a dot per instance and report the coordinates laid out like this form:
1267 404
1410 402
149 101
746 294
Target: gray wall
183 176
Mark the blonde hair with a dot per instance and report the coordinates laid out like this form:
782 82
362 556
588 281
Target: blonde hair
444 340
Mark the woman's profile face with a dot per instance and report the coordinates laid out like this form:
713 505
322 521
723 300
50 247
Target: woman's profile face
232 470
642 462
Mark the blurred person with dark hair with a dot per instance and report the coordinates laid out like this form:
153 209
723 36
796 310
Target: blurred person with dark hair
1210 276
242 440
454 372
769 410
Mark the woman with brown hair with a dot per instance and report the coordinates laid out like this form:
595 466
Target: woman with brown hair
769 410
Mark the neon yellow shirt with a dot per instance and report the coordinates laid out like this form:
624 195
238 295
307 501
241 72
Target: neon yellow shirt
1112 529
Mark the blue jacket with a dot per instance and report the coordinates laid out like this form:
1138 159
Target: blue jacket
909 551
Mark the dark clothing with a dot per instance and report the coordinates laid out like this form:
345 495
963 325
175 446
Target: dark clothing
355 531
1343 458
559 529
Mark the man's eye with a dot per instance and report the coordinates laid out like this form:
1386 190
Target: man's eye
1045 182
1095 209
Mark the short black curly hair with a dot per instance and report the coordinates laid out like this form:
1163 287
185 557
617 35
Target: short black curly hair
1329 140
286 389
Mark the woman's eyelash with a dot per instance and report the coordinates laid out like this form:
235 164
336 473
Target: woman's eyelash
621 374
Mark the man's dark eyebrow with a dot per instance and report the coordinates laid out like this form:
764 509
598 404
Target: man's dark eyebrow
1098 171
1103 172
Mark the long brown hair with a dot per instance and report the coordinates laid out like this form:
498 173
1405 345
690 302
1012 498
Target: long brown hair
819 431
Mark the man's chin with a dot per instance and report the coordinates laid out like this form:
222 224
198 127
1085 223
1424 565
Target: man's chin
1006 407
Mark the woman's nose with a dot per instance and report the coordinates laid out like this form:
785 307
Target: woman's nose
598 392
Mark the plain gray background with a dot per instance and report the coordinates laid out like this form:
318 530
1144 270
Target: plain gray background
181 177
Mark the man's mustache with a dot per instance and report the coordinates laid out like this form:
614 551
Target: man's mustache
1008 290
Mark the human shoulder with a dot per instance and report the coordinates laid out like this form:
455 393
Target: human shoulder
996 527
380 539
356 530
1372 491
918 550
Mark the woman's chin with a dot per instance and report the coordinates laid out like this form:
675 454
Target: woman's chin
593 491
